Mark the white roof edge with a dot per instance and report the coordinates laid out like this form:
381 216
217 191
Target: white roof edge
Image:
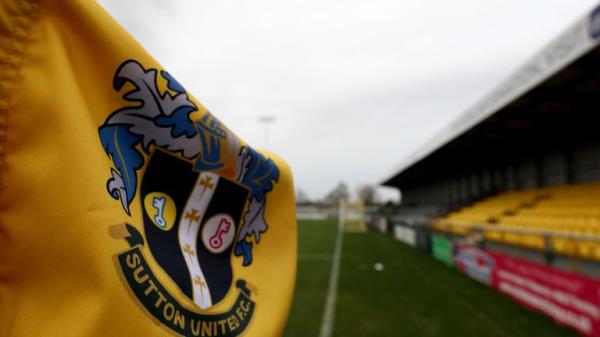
574 42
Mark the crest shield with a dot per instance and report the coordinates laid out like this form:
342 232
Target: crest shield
191 224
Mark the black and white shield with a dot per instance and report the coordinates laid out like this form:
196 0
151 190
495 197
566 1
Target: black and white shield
191 221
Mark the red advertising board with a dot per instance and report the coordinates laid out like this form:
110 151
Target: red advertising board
568 298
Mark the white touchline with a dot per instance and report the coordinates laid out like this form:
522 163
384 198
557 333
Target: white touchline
329 312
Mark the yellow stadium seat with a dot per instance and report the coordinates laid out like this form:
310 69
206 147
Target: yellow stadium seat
572 209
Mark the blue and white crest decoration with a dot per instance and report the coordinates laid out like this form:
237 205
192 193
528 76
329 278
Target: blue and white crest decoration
156 119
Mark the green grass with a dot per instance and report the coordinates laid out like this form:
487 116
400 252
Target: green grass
414 296
315 248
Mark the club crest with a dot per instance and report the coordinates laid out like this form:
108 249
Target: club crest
202 194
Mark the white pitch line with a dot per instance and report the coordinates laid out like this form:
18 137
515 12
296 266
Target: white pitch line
329 312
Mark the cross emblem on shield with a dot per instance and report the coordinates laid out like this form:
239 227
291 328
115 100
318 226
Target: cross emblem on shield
196 252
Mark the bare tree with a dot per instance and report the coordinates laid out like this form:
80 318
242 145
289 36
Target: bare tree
302 198
368 194
340 192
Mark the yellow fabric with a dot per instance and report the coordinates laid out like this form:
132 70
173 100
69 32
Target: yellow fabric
62 232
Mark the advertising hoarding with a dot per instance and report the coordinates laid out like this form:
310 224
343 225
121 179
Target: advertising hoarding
441 249
568 298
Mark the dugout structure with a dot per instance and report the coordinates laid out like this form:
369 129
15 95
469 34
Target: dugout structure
352 216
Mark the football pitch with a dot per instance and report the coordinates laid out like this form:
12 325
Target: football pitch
413 295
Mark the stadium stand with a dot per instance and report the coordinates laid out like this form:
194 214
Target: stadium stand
515 182
568 216
521 168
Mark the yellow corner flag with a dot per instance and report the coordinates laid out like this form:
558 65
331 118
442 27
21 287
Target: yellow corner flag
126 208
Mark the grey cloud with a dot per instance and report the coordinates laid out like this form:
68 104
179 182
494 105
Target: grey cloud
355 86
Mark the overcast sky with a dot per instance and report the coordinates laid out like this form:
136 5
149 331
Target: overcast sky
354 86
